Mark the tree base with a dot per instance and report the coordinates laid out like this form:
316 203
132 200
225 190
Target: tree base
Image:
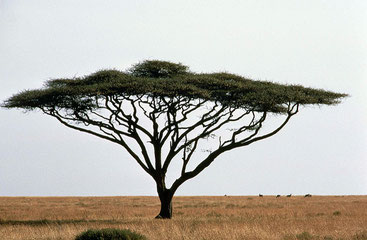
161 217
165 196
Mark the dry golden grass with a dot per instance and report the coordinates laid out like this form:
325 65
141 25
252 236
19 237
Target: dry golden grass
231 217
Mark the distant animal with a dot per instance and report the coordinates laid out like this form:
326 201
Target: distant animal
260 195
278 196
290 195
308 195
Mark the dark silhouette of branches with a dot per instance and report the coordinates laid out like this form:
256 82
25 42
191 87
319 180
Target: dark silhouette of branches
160 112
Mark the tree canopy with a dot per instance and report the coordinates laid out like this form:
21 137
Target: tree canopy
166 111
165 79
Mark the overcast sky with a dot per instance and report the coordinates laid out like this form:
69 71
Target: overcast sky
315 43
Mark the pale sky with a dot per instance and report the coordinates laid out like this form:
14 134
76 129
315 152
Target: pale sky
315 43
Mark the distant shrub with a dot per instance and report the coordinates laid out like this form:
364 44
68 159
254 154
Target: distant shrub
109 234
304 236
360 236
337 213
301 236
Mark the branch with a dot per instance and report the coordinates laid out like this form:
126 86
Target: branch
176 140
131 125
121 142
292 110
125 117
172 112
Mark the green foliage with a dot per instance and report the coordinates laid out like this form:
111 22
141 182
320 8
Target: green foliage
165 79
110 234
158 69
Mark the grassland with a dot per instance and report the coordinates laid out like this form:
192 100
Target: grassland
227 217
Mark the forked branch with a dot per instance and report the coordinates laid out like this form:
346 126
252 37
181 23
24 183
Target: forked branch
292 110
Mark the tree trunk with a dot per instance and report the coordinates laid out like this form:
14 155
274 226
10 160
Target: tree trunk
166 204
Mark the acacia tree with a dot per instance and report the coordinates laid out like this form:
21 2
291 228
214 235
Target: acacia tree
167 112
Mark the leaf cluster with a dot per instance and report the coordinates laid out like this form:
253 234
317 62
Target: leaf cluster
165 79
158 69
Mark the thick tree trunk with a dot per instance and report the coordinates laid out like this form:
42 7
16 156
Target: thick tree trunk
166 204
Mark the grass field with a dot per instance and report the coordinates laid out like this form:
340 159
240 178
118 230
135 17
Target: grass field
227 217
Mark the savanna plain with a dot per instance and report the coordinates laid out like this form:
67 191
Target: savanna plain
202 217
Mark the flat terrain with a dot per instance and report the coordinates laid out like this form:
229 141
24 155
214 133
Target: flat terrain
227 217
